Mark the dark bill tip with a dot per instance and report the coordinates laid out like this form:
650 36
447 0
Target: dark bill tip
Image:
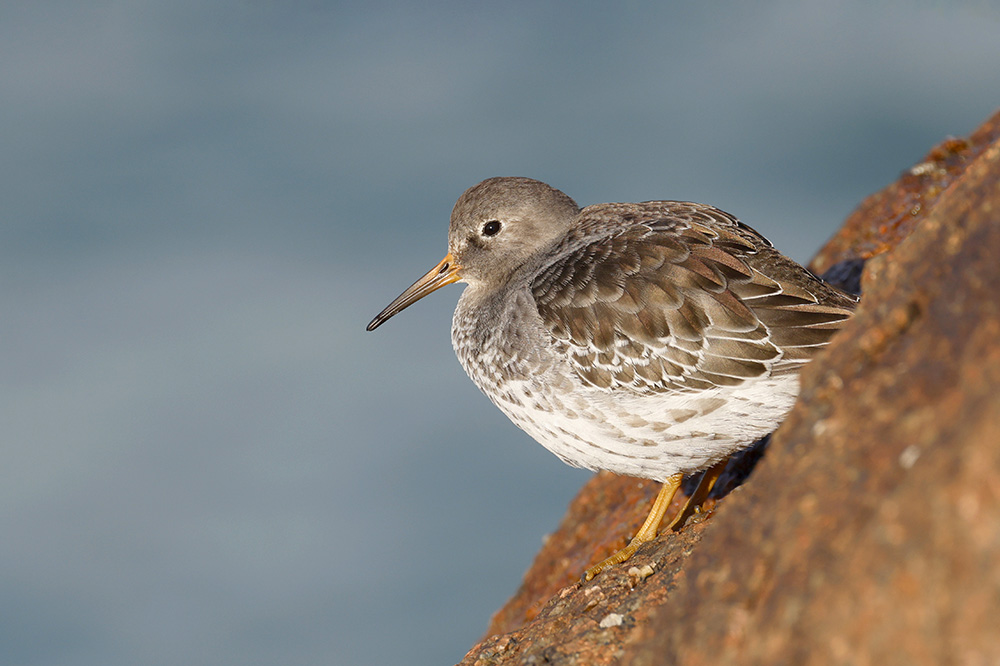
444 273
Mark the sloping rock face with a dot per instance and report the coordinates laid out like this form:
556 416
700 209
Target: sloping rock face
887 217
869 533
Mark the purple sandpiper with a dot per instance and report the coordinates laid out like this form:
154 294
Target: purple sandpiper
650 339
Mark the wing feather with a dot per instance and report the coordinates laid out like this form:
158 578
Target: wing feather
675 296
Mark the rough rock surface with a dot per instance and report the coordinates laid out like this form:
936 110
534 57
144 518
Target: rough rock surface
870 531
888 216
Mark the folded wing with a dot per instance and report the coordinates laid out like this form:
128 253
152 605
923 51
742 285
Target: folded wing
677 296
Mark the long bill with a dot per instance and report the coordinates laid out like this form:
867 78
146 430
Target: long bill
443 274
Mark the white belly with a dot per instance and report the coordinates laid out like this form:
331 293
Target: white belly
648 435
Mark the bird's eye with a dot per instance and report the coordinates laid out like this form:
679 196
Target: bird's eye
491 228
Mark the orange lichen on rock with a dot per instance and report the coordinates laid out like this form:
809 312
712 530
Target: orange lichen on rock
890 215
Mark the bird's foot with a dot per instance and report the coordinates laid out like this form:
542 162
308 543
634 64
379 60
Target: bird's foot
619 557
647 532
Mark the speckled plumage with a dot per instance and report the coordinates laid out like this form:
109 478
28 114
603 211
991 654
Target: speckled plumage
643 338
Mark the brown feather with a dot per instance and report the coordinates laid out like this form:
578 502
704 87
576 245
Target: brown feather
680 296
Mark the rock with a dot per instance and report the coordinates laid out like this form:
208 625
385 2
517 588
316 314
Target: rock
888 216
869 533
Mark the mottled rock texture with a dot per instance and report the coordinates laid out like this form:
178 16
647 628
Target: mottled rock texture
890 215
869 532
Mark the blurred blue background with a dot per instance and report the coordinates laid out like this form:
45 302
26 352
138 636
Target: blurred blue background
205 458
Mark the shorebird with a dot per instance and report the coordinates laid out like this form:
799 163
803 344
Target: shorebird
650 339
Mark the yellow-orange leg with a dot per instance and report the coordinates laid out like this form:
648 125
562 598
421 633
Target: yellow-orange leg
648 530
663 500
700 494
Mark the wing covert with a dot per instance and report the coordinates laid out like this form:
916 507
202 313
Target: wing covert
675 296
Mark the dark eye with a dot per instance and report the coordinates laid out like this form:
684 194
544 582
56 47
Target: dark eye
491 228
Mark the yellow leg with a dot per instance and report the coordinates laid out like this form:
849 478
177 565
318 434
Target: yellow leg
663 500
648 530
700 494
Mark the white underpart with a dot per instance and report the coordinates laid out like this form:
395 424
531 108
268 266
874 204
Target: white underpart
650 435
